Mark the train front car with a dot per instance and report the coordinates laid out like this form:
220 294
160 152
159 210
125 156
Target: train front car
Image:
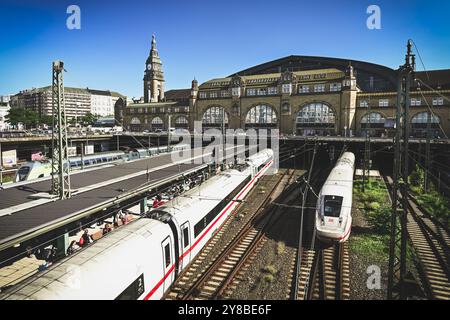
333 211
33 170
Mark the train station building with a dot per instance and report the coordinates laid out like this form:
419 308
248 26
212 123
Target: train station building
299 95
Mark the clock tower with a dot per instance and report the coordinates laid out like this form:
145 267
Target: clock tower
153 76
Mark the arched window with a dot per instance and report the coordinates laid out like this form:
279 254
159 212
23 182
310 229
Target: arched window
135 121
376 125
181 122
419 125
261 116
316 119
376 120
374 117
213 117
135 124
157 123
422 118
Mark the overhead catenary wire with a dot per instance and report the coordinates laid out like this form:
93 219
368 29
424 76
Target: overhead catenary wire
300 238
433 114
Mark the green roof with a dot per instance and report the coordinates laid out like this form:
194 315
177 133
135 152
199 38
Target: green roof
79 90
152 104
271 77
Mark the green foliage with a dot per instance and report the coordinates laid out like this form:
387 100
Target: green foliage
27 117
281 246
436 205
375 204
88 119
7 178
268 278
47 120
380 219
417 179
72 121
270 269
373 247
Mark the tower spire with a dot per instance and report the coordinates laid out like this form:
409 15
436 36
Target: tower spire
153 41
153 76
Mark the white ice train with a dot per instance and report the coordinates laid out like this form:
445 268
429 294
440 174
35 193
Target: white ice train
142 260
334 205
39 169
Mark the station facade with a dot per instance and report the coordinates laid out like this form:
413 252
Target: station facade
299 95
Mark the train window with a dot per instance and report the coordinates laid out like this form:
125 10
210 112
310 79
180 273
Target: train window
201 225
185 237
134 290
332 206
24 170
167 254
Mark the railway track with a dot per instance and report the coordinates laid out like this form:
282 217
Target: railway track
334 263
324 270
325 274
218 277
306 277
431 244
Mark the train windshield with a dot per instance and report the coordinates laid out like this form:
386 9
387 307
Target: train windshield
23 173
332 206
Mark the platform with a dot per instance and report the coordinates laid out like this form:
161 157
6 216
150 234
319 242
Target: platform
19 194
97 190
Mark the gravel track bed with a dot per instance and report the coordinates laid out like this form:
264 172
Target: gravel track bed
270 275
359 264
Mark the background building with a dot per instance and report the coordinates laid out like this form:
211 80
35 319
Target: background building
78 101
158 110
4 110
103 102
153 76
299 95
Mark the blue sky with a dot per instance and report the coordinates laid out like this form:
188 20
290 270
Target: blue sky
204 39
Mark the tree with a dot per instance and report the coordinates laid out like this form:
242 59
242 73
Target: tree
47 120
27 117
88 119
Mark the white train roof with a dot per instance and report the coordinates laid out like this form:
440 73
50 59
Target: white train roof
340 178
205 197
261 157
64 279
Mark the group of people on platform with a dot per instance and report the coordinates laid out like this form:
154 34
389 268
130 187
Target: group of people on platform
49 255
87 238
157 202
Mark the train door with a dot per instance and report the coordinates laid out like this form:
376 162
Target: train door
185 245
168 262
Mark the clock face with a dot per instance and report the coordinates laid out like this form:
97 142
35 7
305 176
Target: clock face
149 67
